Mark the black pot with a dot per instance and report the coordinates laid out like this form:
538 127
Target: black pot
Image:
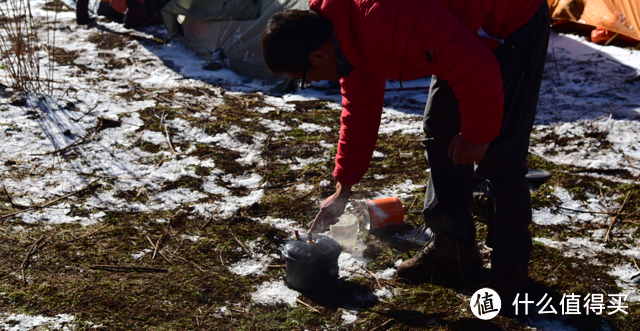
311 266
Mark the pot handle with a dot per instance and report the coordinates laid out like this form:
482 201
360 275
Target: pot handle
275 239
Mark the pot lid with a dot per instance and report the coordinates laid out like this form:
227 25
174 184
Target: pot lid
323 249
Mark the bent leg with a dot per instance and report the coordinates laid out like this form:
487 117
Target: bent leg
450 187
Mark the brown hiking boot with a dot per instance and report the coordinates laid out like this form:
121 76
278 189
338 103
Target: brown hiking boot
439 259
508 282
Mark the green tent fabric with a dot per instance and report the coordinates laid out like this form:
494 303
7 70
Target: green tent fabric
204 26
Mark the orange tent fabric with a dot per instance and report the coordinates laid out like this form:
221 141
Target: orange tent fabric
621 16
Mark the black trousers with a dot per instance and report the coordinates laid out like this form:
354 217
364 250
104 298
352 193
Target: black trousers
450 187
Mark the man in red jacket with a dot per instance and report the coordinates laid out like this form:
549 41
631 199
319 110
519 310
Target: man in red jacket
486 59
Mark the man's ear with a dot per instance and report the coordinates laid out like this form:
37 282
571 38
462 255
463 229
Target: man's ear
318 57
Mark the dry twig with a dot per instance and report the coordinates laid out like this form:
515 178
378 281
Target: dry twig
374 276
87 235
77 142
169 140
240 243
614 219
412 203
635 263
157 246
90 186
210 218
603 199
116 268
382 325
308 306
164 99
590 211
25 262
85 173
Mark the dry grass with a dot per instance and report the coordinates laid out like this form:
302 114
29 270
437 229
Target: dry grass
20 44
60 277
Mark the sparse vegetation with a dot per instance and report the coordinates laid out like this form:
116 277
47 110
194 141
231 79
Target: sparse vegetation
50 268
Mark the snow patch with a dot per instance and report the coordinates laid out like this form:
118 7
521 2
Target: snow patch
22 322
256 265
271 293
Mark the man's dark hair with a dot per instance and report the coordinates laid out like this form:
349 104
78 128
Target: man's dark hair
289 38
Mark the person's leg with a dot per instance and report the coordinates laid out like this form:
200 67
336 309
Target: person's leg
448 197
82 12
521 60
450 187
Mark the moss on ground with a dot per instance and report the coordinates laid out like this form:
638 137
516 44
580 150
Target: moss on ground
62 277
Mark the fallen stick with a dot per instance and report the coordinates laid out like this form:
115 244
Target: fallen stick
587 205
614 219
277 265
87 173
607 128
169 140
374 276
152 245
635 263
14 206
240 243
183 259
207 222
210 218
308 306
86 235
79 141
590 212
114 267
629 166
157 246
210 100
90 186
412 203
25 262
602 196
382 325
166 100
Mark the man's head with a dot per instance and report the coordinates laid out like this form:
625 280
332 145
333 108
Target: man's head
299 42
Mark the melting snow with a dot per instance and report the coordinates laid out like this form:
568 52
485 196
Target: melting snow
352 262
22 322
141 254
193 238
256 265
388 273
271 293
349 316
310 127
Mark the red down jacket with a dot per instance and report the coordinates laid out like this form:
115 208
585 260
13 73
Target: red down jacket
408 39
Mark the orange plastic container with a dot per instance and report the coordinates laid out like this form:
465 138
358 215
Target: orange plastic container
382 213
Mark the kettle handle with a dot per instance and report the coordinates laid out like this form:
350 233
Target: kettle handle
275 239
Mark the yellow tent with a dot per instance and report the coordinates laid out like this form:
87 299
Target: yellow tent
620 16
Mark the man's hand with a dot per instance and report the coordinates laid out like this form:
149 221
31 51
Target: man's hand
331 209
463 152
